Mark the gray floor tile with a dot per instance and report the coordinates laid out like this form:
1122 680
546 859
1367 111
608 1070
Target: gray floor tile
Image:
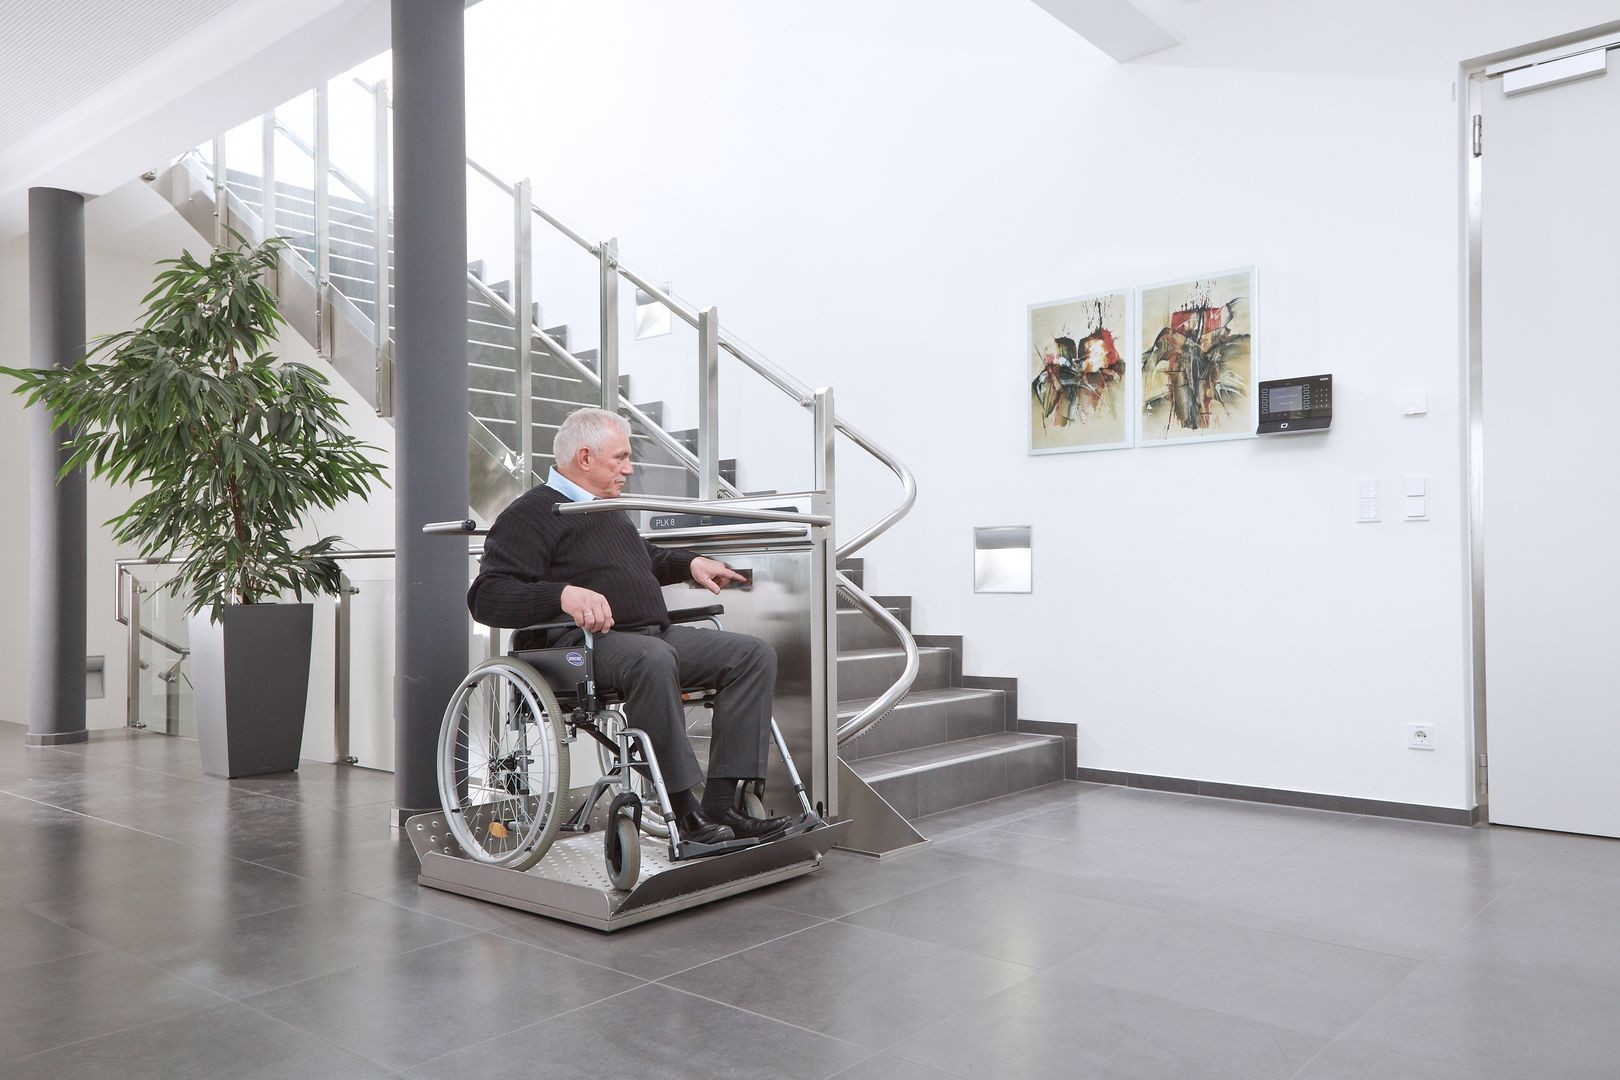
79 997
402 1010
1014 919
261 828
652 1031
851 983
27 939
984 815
847 883
889 1067
1060 1025
473 914
92 857
1290 982
263 952
374 857
1095 866
225 1041
1520 930
1175 834
664 946
214 892
1348 911
1498 1021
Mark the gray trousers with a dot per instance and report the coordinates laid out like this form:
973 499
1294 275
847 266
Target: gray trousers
650 668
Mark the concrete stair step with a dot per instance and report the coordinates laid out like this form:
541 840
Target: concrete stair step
926 717
866 673
858 630
932 779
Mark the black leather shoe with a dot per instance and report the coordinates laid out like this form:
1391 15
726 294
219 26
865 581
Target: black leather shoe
756 828
701 830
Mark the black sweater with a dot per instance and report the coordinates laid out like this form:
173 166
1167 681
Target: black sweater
533 553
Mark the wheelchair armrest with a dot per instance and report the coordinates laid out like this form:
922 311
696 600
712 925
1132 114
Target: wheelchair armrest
566 624
693 614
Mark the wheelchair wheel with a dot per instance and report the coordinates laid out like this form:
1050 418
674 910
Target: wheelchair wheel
503 765
624 870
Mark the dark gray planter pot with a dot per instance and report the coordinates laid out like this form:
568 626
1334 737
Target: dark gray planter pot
251 678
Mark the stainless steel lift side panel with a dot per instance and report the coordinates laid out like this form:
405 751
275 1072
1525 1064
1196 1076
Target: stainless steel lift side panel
571 884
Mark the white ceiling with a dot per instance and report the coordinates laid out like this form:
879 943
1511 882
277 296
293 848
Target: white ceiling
54 55
95 92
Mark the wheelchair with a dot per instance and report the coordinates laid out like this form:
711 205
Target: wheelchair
504 761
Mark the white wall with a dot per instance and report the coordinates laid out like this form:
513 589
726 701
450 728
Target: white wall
873 193
124 238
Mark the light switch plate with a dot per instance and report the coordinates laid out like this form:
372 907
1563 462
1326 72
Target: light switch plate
1417 485
1415 403
1368 506
1416 508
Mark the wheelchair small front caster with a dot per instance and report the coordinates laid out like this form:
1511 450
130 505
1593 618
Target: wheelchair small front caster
621 842
747 801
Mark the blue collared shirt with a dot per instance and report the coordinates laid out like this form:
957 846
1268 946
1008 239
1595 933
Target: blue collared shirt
565 487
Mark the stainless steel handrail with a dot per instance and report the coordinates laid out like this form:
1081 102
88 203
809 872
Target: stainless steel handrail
349 182
717 507
586 372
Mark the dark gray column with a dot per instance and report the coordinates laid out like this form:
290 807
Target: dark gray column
430 382
56 551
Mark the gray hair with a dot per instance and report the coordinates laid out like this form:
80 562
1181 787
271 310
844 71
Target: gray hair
585 428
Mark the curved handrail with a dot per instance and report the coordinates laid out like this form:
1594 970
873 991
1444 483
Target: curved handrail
886 701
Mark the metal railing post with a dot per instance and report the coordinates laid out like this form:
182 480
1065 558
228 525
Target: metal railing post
323 224
342 638
267 183
607 353
383 324
133 718
826 435
522 301
708 437
219 191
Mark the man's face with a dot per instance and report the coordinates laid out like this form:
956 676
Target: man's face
602 471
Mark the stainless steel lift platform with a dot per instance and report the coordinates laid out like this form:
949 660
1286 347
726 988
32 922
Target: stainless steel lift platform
571 882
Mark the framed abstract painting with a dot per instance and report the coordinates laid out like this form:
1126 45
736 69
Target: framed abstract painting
1079 395
1198 366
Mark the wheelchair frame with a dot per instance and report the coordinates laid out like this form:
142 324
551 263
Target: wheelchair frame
630 758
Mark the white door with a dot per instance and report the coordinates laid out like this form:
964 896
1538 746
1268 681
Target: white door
1550 322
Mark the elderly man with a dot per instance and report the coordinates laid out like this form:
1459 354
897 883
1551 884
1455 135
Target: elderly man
595 568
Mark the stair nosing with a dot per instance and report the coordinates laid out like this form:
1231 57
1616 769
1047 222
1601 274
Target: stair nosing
1027 741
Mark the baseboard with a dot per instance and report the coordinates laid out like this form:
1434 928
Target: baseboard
56 738
1344 804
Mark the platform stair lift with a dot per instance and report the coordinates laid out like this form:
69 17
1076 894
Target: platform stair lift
945 739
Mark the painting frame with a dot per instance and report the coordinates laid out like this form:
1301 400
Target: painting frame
1142 333
1127 346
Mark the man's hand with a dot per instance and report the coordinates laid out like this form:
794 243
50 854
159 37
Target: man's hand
713 574
588 609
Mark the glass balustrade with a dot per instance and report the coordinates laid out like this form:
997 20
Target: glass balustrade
349 715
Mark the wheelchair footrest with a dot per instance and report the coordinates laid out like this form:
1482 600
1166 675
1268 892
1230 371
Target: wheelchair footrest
691 849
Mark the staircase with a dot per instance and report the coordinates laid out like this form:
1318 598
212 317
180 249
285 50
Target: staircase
946 744
556 388
950 741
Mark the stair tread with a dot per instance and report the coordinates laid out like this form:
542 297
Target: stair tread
941 755
849 707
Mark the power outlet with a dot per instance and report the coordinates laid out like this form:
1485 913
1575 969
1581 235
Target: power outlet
1420 736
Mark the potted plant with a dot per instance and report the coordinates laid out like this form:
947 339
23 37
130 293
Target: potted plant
236 450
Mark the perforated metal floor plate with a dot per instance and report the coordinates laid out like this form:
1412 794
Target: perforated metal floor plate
571 882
